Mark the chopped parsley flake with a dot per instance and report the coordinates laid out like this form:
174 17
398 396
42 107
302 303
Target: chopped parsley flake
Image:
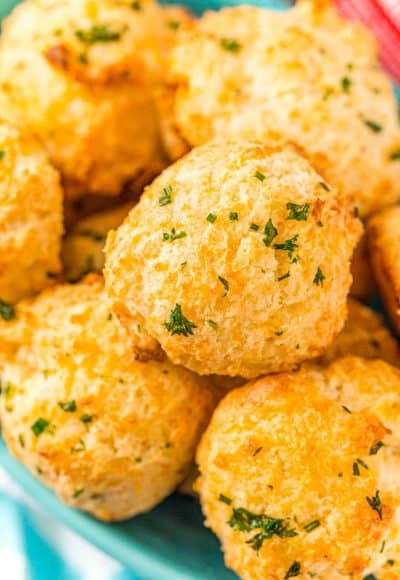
394 156
375 503
234 216
77 493
284 276
270 233
211 218
99 33
260 176
375 127
246 521
356 212
173 235
288 246
40 426
298 212
86 418
382 547
257 451
319 277
362 463
312 526
68 407
324 186
165 197
230 44
212 323
346 84
279 333
370 577
136 6
225 284
2 153
225 499
346 409
294 570
177 323
7 311
254 227
356 469
173 24
375 448
21 440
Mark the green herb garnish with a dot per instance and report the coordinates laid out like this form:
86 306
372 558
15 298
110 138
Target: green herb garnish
375 503
312 526
165 197
211 218
77 493
260 176
294 570
212 323
2 153
284 276
346 409
86 418
230 44
99 33
234 216
225 284
375 127
270 233
245 521
40 426
375 448
7 311
173 235
346 84
324 185
298 212
288 246
319 277
68 407
177 323
254 227
225 499
394 156
356 469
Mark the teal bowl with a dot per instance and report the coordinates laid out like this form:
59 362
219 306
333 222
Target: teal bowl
168 543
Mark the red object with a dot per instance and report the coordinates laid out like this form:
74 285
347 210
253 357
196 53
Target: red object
383 18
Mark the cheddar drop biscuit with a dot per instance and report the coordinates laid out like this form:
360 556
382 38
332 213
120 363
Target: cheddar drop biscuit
110 435
235 261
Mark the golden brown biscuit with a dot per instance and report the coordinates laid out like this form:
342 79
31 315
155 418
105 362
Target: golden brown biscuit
80 74
110 435
363 287
384 245
236 261
364 335
300 473
30 217
262 74
82 250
